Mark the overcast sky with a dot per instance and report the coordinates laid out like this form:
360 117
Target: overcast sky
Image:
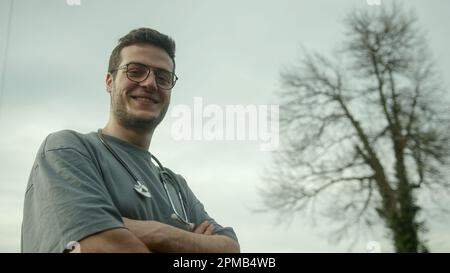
228 53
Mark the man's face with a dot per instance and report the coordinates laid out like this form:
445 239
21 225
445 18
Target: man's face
128 105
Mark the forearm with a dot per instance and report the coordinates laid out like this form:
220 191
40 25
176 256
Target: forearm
165 238
114 240
176 240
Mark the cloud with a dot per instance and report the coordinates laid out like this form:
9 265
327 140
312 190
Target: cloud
54 81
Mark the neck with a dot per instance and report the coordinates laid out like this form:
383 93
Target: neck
138 137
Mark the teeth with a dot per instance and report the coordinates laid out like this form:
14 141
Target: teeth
143 99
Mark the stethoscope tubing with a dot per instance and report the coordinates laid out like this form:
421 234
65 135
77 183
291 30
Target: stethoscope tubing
162 174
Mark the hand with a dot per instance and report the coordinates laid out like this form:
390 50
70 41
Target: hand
205 228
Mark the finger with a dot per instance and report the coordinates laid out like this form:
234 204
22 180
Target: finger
201 228
209 230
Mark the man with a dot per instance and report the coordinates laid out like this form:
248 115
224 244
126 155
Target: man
102 189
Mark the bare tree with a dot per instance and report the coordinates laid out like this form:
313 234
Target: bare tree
364 137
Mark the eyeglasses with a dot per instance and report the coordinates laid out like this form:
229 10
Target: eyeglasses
137 72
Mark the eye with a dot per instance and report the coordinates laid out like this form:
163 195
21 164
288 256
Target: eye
135 70
164 76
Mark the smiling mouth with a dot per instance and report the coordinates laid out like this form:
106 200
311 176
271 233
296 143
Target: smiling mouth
144 99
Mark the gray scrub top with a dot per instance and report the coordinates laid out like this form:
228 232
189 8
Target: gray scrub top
77 188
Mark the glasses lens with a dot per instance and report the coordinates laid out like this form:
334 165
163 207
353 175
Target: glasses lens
137 72
164 79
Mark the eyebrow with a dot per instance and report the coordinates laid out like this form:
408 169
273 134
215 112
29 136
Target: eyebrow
152 66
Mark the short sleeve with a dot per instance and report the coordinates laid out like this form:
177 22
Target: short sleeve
65 201
197 213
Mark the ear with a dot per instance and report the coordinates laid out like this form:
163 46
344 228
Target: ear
109 82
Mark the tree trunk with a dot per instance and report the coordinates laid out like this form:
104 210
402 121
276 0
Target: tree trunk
404 229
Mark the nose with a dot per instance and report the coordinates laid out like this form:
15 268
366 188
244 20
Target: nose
150 81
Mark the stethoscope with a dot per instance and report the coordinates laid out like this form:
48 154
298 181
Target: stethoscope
164 177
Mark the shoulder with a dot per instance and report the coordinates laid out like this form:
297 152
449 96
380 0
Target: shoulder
64 139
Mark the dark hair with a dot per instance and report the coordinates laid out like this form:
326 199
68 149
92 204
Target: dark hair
142 35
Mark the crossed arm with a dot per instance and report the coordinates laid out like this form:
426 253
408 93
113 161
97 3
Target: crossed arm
152 236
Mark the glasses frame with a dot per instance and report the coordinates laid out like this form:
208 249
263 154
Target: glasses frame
149 69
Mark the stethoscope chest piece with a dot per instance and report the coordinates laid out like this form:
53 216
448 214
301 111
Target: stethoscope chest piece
142 189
